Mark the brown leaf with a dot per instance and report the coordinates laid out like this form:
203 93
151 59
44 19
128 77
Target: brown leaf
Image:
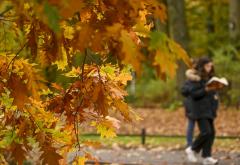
32 41
18 153
50 155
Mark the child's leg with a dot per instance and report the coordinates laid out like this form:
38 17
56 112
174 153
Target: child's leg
205 139
190 132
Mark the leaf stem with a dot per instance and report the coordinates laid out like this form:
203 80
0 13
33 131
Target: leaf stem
18 52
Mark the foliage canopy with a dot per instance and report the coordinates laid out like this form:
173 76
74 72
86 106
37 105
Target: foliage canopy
38 116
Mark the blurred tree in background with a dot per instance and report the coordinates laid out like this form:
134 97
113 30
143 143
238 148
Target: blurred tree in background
212 29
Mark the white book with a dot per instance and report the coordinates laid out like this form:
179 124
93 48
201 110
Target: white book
217 80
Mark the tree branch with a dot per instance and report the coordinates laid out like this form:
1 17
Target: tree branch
7 9
18 52
83 64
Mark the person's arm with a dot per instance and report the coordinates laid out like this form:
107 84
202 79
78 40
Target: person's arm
185 89
198 93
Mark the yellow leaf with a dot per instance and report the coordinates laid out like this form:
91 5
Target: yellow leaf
106 129
63 62
68 32
26 6
116 28
142 16
75 72
166 63
80 161
131 53
123 108
46 92
142 30
123 78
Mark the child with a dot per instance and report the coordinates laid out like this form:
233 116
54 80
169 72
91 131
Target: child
191 75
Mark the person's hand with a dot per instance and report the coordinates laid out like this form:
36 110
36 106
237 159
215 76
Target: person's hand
214 87
210 88
220 86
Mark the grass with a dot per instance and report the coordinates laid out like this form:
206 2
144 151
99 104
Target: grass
135 140
225 144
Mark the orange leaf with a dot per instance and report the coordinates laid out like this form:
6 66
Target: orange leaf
50 156
18 153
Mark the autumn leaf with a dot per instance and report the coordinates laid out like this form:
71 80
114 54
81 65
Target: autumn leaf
105 128
166 63
52 16
180 52
84 37
75 72
131 53
50 156
68 31
63 62
115 122
123 108
80 161
160 11
70 8
167 54
141 30
18 153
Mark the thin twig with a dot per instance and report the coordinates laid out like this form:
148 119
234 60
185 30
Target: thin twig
32 119
98 68
76 126
7 9
83 64
76 129
18 52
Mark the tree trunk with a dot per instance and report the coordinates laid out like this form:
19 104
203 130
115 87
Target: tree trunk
178 31
234 31
210 27
234 21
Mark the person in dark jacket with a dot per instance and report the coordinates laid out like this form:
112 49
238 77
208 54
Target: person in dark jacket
191 75
202 106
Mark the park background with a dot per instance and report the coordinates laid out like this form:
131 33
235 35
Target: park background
202 28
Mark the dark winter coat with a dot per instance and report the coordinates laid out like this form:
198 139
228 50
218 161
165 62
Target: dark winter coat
199 103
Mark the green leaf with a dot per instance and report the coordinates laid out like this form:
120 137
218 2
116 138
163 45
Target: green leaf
157 40
6 100
8 137
53 17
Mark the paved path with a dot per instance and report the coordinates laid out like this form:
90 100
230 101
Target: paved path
155 157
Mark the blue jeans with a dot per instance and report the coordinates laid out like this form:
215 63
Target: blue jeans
190 132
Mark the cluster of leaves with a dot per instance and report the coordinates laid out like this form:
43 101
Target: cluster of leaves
40 118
